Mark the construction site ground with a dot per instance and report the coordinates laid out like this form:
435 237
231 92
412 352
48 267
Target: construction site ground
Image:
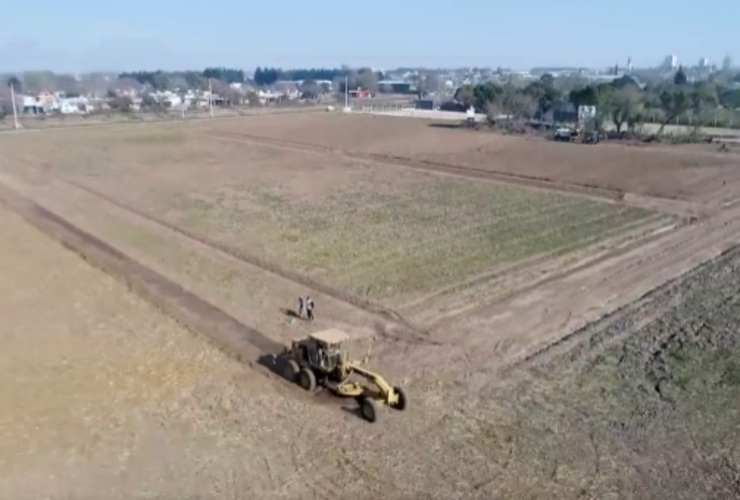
561 315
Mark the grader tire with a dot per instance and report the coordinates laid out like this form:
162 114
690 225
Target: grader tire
291 370
402 400
307 380
369 410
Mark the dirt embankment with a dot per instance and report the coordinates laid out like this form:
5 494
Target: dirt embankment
235 338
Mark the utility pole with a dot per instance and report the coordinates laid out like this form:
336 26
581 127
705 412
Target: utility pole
346 93
210 97
15 109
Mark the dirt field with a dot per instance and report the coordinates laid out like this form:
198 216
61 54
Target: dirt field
371 232
557 344
697 173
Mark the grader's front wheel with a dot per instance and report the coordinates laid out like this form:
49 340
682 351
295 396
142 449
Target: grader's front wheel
401 402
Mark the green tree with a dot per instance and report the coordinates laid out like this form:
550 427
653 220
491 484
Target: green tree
680 77
465 95
545 93
160 81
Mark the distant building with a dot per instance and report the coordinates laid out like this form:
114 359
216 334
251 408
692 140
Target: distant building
703 63
394 87
727 63
360 93
670 63
426 104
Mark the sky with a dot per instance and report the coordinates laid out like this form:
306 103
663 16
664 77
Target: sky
86 35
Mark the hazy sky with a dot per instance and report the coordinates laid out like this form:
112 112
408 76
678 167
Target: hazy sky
86 35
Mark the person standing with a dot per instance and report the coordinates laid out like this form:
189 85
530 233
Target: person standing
301 306
309 308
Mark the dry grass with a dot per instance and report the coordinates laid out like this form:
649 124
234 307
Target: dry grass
638 409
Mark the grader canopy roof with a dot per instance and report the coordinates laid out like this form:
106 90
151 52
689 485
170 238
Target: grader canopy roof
330 336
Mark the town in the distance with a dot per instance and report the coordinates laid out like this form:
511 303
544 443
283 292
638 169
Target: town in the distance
621 97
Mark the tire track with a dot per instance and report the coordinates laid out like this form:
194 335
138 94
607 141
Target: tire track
228 334
433 166
365 305
666 205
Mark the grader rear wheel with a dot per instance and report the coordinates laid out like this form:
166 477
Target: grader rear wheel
307 379
290 370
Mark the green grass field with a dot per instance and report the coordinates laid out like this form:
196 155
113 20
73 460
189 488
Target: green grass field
390 246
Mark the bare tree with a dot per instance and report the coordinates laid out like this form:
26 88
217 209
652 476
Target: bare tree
253 99
626 106
311 90
123 104
38 81
231 95
67 84
366 79
515 104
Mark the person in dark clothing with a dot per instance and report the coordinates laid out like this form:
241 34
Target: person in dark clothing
309 308
301 306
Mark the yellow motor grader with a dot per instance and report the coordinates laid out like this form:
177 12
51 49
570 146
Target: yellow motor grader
322 360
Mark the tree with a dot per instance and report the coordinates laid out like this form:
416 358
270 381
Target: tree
674 102
37 81
545 94
310 89
148 102
704 100
122 104
626 107
226 75
266 76
484 94
67 84
14 82
730 98
230 95
680 77
253 99
366 79
428 83
160 81
465 95
516 104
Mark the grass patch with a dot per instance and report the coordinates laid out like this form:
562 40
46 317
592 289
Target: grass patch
393 245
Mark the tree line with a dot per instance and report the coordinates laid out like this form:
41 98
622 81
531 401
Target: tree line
163 80
623 102
268 76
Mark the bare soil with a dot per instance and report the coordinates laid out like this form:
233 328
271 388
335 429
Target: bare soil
362 232
608 372
696 173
